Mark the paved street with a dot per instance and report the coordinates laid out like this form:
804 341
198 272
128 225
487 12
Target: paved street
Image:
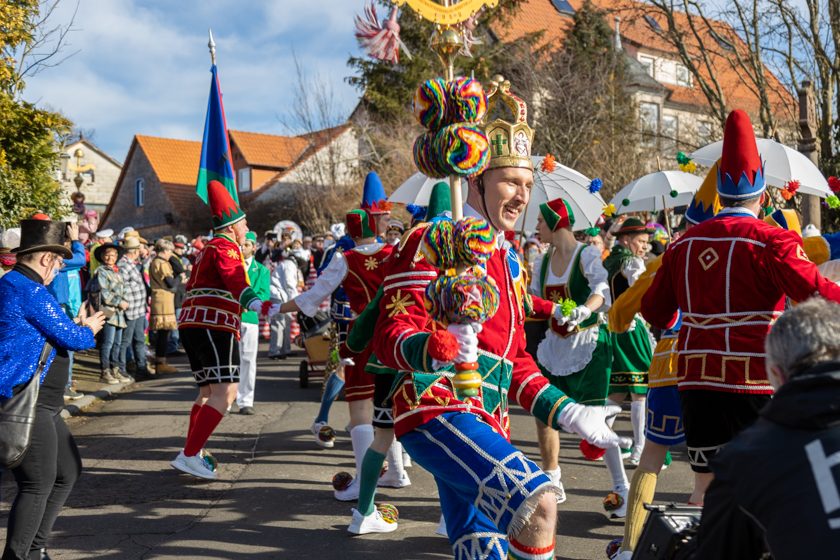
273 498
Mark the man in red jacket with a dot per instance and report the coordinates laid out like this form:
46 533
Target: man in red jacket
731 277
496 502
217 292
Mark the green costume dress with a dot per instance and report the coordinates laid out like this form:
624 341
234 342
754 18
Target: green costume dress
632 352
576 361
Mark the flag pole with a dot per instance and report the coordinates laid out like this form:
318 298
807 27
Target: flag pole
211 44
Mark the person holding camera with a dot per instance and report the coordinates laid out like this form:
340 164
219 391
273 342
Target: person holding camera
787 462
29 319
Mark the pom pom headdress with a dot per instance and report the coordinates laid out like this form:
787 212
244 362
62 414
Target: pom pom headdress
557 214
741 172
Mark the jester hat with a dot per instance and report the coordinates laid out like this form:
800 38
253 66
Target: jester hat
557 214
374 199
226 211
741 172
360 224
706 202
440 203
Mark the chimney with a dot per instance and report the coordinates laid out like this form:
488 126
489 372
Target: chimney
617 35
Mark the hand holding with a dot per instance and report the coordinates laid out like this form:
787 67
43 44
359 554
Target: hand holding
467 336
590 422
95 322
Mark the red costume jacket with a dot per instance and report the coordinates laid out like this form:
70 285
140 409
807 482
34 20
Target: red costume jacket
218 288
508 372
729 276
365 273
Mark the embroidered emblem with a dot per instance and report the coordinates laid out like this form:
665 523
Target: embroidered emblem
232 253
398 305
371 263
708 258
801 254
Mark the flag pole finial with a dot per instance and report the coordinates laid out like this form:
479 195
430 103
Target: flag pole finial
211 44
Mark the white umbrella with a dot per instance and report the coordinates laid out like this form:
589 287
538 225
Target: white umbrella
417 189
563 182
781 164
653 192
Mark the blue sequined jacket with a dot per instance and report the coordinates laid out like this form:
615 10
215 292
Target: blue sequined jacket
29 315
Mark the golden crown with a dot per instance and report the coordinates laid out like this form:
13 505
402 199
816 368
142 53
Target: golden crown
510 142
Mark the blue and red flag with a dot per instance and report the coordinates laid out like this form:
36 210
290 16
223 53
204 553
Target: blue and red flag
216 160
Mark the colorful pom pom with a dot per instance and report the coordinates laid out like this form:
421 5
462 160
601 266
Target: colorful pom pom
591 452
466 100
674 194
342 480
834 184
833 202
443 346
609 210
682 158
688 167
567 305
390 513
593 231
625 202
461 149
595 185
431 104
462 299
474 241
549 164
425 157
439 244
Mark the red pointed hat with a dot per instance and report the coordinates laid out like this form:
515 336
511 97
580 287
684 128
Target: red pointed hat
557 214
360 223
741 173
226 211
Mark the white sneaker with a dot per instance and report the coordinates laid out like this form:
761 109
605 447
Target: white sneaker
623 555
406 460
324 435
349 494
441 528
373 523
635 456
615 503
195 465
389 480
555 480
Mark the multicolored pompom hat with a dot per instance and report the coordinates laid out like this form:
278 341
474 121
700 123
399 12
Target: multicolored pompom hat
557 214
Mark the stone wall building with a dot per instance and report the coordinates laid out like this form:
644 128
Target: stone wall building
98 171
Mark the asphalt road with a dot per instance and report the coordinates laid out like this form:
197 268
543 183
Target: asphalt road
274 497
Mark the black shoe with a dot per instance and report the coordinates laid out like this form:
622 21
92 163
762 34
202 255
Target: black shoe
247 410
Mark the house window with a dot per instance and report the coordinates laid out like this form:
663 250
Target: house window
563 7
704 133
649 121
243 181
139 192
670 134
648 62
683 76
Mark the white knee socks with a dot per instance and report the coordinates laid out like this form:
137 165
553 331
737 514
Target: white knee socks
614 462
361 436
637 418
395 458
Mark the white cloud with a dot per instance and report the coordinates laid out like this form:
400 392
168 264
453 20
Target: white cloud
143 66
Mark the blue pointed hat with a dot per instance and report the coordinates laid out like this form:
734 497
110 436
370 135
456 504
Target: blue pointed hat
374 199
741 172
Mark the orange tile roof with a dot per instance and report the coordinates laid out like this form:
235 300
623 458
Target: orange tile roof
175 161
269 150
183 198
541 16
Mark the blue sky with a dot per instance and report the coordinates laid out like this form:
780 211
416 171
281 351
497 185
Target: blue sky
143 65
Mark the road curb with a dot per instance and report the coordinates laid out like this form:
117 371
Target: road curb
75 408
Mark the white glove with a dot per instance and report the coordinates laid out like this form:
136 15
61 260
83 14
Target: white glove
256 305
590 423
274 309
347 362
467 336
438 365
578 315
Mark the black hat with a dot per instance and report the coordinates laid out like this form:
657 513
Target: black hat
43 235
97 253
633 225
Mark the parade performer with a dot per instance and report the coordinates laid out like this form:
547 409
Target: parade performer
217 292
496 502
375 202
249 330
366 517
730 277
664 426
360 272
575 356
631 355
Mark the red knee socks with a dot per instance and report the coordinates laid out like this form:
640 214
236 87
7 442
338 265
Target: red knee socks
193 414
206 420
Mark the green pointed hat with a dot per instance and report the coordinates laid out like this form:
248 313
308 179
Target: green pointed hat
439 202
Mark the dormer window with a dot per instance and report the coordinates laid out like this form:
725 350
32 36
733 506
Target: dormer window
563 7
653 23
